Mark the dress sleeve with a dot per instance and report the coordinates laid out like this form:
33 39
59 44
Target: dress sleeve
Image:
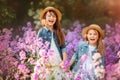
103 61
63 48
77 55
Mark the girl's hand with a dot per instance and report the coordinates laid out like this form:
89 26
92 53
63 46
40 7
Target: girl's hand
65 66
61 64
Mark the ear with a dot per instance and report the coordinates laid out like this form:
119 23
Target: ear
85 36
43 22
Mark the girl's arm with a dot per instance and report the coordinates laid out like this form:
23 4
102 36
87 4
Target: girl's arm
73 59
71 62
75 56
64 56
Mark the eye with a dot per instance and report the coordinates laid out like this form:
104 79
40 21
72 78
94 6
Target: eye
89 33
54 16
95 33
49 15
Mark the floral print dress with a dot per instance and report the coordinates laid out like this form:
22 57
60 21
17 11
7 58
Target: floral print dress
89 63
86 69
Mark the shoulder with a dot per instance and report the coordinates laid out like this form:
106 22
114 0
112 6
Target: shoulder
41 31
83 43
83 46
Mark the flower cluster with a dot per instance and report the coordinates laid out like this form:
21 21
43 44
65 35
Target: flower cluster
80 73
7 53
45 67
42 65
26 51
112 42
99 68
73 37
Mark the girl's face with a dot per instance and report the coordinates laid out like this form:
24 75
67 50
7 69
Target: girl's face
50 19
92 37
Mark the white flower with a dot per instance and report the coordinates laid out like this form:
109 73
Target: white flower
96 56
37 68
95 63
42 52
99 69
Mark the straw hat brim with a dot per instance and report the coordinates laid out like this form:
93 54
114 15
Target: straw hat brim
95 27
59 15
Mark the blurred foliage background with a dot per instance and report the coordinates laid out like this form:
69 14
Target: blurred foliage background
18 12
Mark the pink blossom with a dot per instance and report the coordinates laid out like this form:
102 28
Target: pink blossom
37 68
117 38
34 76
118 54
22 68
43 53
29 24
16 75
22 55
31 60
83 58
50 52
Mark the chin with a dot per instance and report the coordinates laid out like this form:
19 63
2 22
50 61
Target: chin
91 42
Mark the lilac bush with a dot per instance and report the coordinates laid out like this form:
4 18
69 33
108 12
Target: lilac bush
27 48
7 58
112 41
18 54
73 37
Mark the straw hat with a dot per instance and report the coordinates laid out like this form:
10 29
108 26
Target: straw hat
93 26
51 8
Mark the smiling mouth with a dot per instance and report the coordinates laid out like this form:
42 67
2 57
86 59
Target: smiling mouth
51 21
92 39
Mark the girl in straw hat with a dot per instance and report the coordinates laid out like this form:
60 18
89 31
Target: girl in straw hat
88 60
51 31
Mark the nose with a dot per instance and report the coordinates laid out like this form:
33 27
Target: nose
51 17
92 35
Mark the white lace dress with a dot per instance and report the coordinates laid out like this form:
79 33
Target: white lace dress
56 72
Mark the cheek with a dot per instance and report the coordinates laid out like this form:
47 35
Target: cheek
55 19
96 37
46 19
87 37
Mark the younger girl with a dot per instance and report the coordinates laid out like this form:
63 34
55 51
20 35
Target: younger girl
85 65
51 31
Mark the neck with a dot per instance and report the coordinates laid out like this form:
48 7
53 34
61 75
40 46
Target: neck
50 28
92 44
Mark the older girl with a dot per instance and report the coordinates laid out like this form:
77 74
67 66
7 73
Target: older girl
51 31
